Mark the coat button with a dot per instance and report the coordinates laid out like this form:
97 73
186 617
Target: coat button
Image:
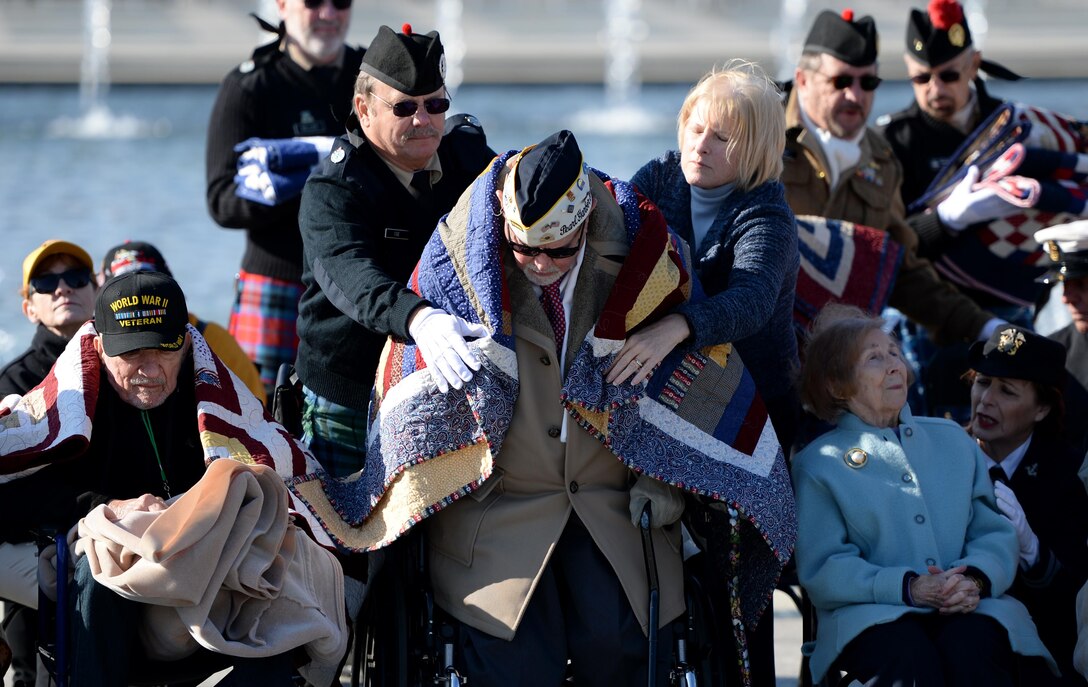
907 477
545 360
553 432
919 519
908 431
930 561
573 487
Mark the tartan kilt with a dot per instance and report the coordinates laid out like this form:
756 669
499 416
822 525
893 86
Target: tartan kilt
264 321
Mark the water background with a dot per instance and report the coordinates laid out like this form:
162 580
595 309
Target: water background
97 192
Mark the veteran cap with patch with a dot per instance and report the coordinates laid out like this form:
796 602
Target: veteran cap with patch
854 41
1019 353
412 63
48 249
140 310
1067 246
133 256
546 193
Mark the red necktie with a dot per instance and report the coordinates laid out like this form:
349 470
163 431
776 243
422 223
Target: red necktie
552 301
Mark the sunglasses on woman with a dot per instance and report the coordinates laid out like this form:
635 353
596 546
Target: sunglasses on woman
947 76
316 4
407 108
553 253
75 278
841 82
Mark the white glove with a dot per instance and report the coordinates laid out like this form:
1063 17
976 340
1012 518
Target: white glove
441 340
966 206
1010 506
667 503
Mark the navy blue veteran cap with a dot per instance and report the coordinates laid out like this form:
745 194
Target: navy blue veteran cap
546 192
841 36
1019 353
412 63
140 310
1067 246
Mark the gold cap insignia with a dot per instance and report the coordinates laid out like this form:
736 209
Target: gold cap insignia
918 45
1010 341
956 35
856 458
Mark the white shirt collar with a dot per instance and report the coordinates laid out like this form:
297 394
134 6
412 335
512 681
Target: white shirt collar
1012 461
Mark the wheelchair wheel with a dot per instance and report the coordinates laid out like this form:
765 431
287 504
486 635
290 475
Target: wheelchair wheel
382 634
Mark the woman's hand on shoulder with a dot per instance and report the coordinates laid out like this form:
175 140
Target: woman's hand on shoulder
644 350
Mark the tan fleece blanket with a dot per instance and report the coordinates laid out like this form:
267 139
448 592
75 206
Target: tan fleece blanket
223 567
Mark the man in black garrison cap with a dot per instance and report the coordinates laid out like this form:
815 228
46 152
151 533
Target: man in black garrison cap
949 98
365 216
838 167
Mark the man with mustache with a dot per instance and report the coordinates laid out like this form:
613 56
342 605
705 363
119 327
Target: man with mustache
838 167
299 85
366 215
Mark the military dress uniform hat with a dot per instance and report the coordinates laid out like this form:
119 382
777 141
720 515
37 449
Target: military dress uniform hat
1067 245
48 249
140 310
1019 353
133 256
844 38
412 63
941 33
546 193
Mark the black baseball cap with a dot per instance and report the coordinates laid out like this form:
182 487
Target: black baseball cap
140 310
133 256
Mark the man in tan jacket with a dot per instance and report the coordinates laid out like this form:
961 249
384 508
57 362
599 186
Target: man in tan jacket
838 167
543 563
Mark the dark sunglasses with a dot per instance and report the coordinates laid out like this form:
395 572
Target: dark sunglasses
315 4
553 253
407 108
841 82
947 76
75 278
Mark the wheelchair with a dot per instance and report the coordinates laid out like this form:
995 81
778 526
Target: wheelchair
402 639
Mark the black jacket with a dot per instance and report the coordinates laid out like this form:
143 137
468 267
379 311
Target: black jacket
362 234
271 96
28 370
1056 506
119 463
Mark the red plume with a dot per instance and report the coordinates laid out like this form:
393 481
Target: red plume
848 14
406 29
945 13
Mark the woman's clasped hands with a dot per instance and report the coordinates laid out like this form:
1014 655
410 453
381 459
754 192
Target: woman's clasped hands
949 591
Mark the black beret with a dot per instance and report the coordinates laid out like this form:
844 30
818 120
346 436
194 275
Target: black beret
412 63
844 38
1019 353
938 34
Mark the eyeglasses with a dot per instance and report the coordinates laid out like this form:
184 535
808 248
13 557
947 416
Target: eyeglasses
947 76
407 108
841 82
553 253
316 4
75 278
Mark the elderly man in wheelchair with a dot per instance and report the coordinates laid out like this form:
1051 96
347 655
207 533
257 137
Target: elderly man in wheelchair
176 556
532 475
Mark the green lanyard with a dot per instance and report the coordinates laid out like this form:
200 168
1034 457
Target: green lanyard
155 447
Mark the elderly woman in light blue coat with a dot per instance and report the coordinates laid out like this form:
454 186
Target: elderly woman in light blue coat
900 544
